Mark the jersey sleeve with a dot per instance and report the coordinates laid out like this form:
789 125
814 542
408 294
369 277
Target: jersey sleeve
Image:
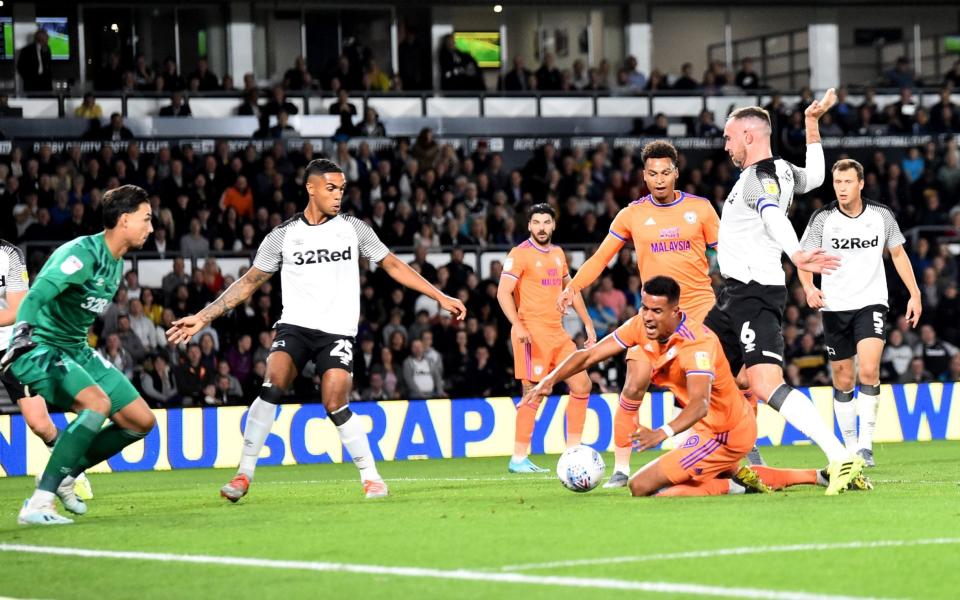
761 190
697 358
270 253
565 268
513 266
369 243
813 234
891 229
711 225
16 269
620 227
73 267
629 334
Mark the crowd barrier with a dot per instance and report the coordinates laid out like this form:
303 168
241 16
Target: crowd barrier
432 429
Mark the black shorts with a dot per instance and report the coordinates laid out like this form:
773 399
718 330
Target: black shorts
747 318
326 350
14 388
843 329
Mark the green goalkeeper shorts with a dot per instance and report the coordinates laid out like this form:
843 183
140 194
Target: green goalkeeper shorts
58 375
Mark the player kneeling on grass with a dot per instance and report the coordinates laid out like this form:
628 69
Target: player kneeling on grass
686 358
49 354
13 287
317 250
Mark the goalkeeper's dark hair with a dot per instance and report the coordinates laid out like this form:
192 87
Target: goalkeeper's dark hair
322 166
120 201
659 149
663 286
542 209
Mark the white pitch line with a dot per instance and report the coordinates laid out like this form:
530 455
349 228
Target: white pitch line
729 552
518 479
661 587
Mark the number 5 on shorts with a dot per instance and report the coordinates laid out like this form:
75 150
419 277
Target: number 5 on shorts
878 322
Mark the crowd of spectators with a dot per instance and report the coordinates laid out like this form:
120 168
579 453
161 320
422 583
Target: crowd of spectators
426 197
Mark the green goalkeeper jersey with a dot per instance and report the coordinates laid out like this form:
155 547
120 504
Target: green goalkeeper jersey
87 277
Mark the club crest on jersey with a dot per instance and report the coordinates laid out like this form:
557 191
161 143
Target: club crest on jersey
538 370
71 265
692 441
690 217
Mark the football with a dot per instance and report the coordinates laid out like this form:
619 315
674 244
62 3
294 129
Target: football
580 468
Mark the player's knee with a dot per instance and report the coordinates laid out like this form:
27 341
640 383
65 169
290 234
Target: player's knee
633 390
98 402
580 385
335 403
869 374
146 422
638 488
843 379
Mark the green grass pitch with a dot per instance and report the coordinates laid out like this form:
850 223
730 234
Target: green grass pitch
474 532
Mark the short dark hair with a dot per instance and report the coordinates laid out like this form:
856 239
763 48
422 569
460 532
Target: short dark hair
542 209
751 112
322 166
120 201
661 285
659 149
846 164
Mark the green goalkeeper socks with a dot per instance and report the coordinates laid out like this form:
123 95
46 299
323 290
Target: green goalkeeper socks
109 441
71 446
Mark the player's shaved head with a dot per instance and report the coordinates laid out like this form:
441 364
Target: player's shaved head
747 136
752 116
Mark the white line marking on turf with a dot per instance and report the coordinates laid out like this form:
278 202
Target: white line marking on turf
729 552
661 587
414 479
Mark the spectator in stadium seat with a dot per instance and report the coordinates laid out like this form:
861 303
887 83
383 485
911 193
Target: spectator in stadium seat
158 383
917 373
129 339
191 377
548 75
371 126
88 108
686 82
389 372
110 76
375 390
901 75
35 64
747 78
283 128
114 353
656 81
481 379
516 80
116 130
604 318
278 103
250 105
659 126
143 75
178 107
208 81
194 243
170 80
10 111
635 79
238 196
298 77
706 127
423 378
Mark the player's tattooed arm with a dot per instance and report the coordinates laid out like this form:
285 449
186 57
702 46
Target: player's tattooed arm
237 293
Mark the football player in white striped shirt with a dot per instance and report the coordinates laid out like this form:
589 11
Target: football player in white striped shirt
754 233
853 301
318 251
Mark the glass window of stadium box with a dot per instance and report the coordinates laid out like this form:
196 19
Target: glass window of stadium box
362 35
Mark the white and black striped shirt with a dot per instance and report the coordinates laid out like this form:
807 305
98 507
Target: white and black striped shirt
13 278
321 277
859 242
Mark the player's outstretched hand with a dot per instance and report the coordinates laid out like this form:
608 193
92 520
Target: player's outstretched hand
644 439
522 333
454 307
819 107
536 393
814 298
815 261
914 308
184 329
565 299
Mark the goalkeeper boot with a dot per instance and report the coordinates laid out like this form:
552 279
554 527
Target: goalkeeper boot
66 491
237 488
41 515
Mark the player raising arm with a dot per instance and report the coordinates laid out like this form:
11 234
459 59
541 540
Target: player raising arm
317 250
671 232
853 300
754 233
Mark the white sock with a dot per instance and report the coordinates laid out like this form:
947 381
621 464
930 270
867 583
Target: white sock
41 499
354 439
846 412
867 409
736 488
260 419
800 412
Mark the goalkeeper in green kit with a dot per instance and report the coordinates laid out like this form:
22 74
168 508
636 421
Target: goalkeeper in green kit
49 354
